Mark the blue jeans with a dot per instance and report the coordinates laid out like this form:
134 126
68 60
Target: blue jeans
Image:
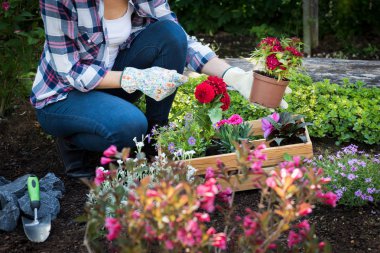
97 119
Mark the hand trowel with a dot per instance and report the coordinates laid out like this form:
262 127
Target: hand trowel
37 230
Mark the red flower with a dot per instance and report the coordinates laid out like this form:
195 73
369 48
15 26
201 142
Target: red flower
272 62
277 48
294 51
226 101
218 84
5 6
271 41
204 93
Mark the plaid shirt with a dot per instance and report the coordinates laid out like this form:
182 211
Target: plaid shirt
75 53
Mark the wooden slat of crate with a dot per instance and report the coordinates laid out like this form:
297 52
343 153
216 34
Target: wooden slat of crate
274 154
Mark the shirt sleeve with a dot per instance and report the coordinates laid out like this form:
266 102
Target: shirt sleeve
61 34
197 53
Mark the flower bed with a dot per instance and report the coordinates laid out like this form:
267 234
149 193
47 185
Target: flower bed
275 155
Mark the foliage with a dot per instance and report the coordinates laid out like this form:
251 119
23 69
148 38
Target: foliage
284 128
171 214
231 131
346 112
279 57
20 34
184 136
354 174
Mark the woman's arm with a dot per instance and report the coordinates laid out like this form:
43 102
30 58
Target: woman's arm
110 81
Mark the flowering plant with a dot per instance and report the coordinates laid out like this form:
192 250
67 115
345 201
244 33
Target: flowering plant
172 214
284 128
232 130
212 98
278 56
354 175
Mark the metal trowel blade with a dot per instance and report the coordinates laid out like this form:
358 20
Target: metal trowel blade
37 232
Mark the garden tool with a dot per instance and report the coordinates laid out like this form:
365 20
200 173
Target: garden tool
37 230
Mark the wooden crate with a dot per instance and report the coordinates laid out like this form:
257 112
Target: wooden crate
275 155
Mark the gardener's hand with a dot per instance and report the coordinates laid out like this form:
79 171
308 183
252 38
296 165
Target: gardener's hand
242 81
155 82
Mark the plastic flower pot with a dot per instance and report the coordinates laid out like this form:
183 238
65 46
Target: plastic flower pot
267 91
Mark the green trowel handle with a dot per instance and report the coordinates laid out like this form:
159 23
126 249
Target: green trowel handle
34 192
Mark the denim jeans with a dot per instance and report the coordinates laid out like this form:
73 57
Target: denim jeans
96 119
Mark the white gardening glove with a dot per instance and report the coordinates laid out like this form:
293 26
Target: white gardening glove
155 82
242 81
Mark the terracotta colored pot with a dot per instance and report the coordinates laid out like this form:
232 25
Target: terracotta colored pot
267 91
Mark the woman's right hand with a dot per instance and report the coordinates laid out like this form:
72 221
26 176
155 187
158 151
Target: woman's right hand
155 82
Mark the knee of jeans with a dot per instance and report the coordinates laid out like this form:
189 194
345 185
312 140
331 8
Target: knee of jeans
175 36
124 134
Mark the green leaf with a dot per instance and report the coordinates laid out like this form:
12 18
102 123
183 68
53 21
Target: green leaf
288 157
215 115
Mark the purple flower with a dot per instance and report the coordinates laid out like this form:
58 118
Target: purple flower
188 116
344 188
351 176
342 166
371 190
267 126
149 138
352 161
358 193
369 198
5 6
320 157
339 193
368 180
171 147
353 169
343 174
351 149
362 163
191 141
331 158
376 160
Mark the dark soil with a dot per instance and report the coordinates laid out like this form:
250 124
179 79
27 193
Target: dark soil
24 148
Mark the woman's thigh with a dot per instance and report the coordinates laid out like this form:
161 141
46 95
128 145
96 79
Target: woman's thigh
106 118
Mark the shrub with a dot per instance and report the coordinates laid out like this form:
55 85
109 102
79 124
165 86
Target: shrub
354 175
19 35
172 214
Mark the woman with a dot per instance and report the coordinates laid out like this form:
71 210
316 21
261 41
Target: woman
82 91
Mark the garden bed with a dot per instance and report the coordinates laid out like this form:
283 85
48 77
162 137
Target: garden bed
275 155
25 149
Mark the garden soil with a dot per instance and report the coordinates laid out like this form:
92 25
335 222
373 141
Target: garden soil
24 148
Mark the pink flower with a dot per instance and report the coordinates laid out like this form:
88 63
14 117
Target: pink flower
249 225
221 123
136 215
114 227
209 173
267 127
169 245
211 231
296 174
219 241
297 160
325 180
261 146
304 209
151 193
256 167
105 160
111 151
207 193
191 234
259 155
321 245
271 182
235 119
5 6
304 225
101 175
328 198
293 239
226 195
203 217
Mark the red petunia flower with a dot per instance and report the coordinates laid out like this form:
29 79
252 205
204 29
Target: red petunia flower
204 93
294 51
226 101
272 62
218 84
277 48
